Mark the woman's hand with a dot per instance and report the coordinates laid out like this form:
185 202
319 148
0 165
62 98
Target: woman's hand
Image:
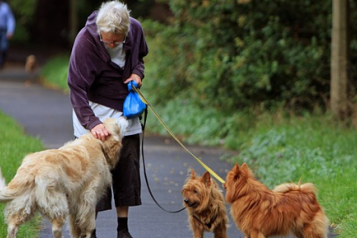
134 77
100 132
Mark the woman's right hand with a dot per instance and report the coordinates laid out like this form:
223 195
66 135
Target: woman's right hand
100 132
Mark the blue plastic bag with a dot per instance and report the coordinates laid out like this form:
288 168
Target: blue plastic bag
133 106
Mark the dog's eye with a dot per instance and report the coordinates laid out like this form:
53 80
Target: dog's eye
195 191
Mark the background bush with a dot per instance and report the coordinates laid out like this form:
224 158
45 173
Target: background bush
230 55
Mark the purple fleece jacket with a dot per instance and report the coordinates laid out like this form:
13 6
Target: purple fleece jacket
92 76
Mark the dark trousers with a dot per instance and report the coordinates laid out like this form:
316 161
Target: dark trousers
126 177
3 47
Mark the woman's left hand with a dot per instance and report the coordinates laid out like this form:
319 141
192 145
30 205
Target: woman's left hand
134 77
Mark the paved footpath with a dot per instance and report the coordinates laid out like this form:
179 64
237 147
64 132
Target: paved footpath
46 114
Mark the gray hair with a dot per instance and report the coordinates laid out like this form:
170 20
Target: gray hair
113 17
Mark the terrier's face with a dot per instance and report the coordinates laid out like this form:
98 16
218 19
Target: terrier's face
196 191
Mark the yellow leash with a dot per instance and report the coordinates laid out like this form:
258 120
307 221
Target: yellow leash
173 135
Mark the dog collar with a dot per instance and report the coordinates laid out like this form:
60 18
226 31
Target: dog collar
209 225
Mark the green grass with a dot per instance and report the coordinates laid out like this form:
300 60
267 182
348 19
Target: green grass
54 73
13 147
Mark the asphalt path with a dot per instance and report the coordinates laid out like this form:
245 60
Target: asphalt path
46 114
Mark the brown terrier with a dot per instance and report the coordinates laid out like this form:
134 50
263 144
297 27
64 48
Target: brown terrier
205 206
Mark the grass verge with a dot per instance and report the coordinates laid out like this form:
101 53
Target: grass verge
54 73
13 147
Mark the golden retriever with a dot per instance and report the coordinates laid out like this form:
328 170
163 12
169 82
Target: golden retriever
64 182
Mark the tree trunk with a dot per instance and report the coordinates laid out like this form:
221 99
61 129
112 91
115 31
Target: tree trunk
73 21
339 59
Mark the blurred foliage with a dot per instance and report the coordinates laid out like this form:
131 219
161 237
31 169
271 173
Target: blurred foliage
34 16
54 73
23 12
231 54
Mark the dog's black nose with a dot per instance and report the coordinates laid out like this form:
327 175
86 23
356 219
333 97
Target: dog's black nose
186 200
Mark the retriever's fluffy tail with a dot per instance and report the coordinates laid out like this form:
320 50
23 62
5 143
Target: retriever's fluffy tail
287 187
3 190
7 194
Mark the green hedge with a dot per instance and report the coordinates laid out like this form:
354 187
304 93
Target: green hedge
231 55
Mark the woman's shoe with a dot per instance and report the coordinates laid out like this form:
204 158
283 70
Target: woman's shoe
124 234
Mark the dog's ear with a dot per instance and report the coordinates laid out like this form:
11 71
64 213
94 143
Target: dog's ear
206 179
193 174
123 124
110 125
246 171
237 171
236 168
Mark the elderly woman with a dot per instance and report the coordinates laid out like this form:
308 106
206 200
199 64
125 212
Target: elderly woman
107 54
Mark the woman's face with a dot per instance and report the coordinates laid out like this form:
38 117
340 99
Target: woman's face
111 40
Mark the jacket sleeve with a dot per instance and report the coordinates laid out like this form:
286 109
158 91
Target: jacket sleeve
81 75
10 20
139 68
